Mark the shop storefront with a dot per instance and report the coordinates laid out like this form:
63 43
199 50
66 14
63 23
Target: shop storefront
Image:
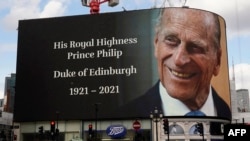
185 129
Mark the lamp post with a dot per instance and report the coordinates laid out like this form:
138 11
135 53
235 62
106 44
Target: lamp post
156 117
57 118
96 118
57 129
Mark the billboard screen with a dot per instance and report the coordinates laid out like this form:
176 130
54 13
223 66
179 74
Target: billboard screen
82 65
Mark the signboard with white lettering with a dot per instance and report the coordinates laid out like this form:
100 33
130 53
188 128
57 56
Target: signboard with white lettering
68 64
236 132
73 67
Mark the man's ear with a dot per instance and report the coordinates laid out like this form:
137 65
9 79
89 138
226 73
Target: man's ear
156 39
218 63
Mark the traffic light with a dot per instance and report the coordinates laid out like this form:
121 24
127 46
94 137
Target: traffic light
52 129
40 130
166 126
9 134
90 129
2 135
199 127
57 132
52 126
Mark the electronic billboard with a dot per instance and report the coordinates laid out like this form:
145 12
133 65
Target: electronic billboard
84 65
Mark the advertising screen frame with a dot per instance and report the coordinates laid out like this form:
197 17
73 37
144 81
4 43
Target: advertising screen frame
71 64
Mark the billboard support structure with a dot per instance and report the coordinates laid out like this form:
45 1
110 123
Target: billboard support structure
95 4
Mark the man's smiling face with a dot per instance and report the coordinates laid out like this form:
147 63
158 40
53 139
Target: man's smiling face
186 55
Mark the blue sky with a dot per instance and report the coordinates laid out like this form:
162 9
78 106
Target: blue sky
235 13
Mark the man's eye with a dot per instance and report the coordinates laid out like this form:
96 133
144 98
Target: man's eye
196 49
171 41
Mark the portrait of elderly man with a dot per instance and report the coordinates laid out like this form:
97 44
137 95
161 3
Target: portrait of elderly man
188 53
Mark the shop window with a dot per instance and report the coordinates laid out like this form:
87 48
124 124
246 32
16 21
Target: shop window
175 129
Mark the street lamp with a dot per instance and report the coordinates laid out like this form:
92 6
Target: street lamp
57 129
96 118
156 117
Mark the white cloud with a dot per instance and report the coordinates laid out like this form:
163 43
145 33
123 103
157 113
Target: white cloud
4 4
19 10
235 12
1 93
29 9
10 47
15 10
54 8
242 75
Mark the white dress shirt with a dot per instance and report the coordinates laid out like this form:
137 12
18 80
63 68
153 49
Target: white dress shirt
174 107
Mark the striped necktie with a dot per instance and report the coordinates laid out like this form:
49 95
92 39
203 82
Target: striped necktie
195 113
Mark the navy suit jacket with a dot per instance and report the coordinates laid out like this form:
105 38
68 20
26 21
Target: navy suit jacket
143 105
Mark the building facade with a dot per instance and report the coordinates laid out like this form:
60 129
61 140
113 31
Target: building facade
76 130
